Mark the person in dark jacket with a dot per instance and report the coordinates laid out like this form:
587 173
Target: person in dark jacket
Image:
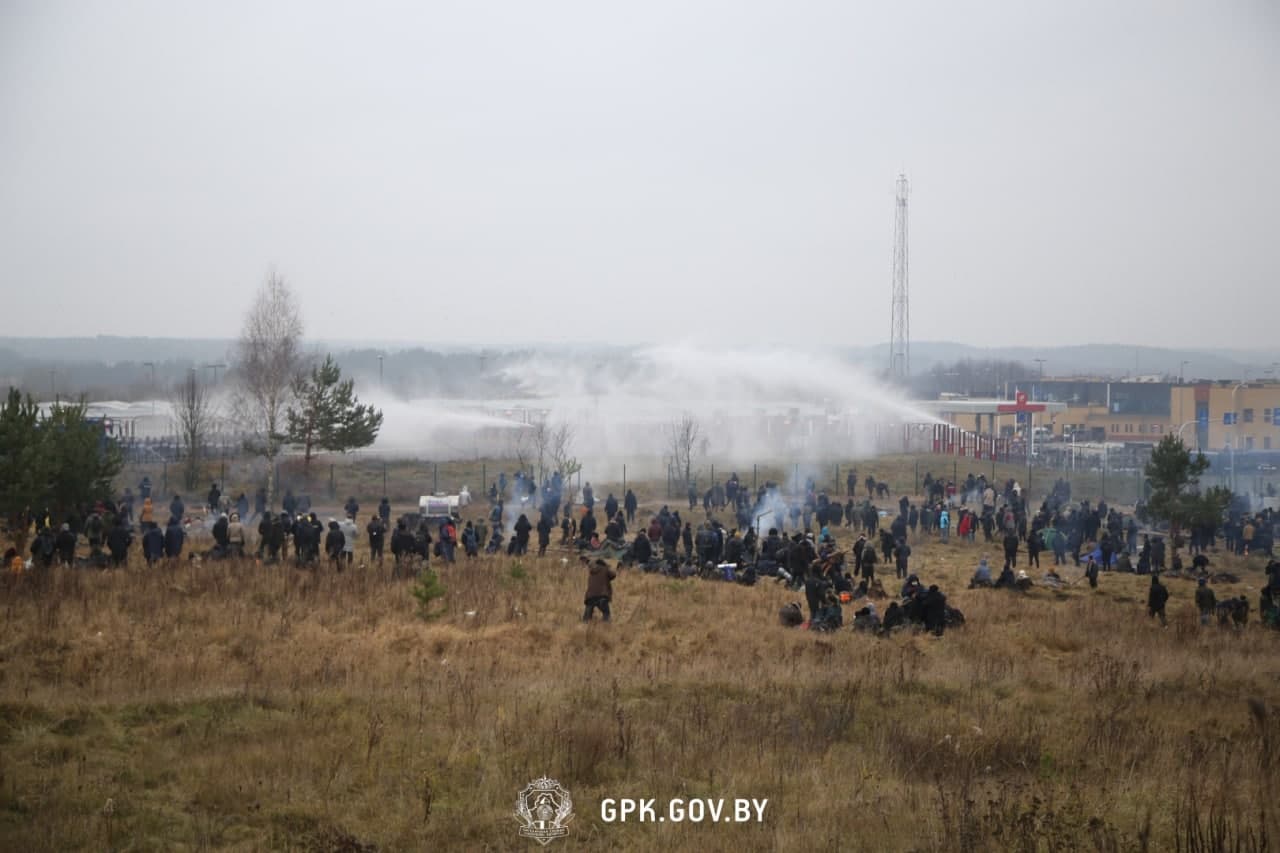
544 534
377 531
152 544
1157 597
65 545
869 560
1011 550
471 540
215 497
599 591
403 547
220 536
629 503
521 543
334 543
1034 546
351 507
829 616
44 548
935 610
384 512
901 554
816 587
302 534
641 548
274 538
118 541
174 537
1091 572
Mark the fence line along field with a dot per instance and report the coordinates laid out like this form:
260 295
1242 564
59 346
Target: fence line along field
234 706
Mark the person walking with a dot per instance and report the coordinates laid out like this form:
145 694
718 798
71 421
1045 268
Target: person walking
599 591
1157 597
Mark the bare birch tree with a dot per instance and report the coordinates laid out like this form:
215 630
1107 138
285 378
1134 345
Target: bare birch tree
560 450
682 441
268 359
195 417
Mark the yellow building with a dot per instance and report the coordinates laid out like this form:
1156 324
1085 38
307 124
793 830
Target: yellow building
1208 415
1254 407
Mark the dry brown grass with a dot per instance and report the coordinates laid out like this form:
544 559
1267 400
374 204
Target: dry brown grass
241 707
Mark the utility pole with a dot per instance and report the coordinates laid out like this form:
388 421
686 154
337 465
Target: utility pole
216 368
900 326
152 365
379 371
1040 361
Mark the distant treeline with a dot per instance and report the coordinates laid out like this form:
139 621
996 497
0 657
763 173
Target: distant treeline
408 373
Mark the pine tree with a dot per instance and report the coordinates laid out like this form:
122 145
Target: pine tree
55 460
1174 477
329 416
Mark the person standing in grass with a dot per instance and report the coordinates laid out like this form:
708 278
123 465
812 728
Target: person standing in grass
944 524
599 590
333 544
377 530
1091 572
1156 600
1206 601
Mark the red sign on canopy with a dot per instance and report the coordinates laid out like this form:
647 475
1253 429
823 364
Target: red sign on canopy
1020 405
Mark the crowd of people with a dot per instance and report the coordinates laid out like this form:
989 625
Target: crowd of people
798 550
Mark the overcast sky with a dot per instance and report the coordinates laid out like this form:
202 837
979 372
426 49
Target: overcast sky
530 171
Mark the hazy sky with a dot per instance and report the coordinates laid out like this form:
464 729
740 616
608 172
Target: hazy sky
529 171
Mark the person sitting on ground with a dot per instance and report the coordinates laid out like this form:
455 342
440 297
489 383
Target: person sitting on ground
1023 581
866 619
1006 579
982 575
641 549
935 610
830 616
791 615
894 618
494 545
1124 563
1233 611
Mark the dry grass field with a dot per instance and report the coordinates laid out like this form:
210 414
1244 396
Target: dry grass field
239 707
